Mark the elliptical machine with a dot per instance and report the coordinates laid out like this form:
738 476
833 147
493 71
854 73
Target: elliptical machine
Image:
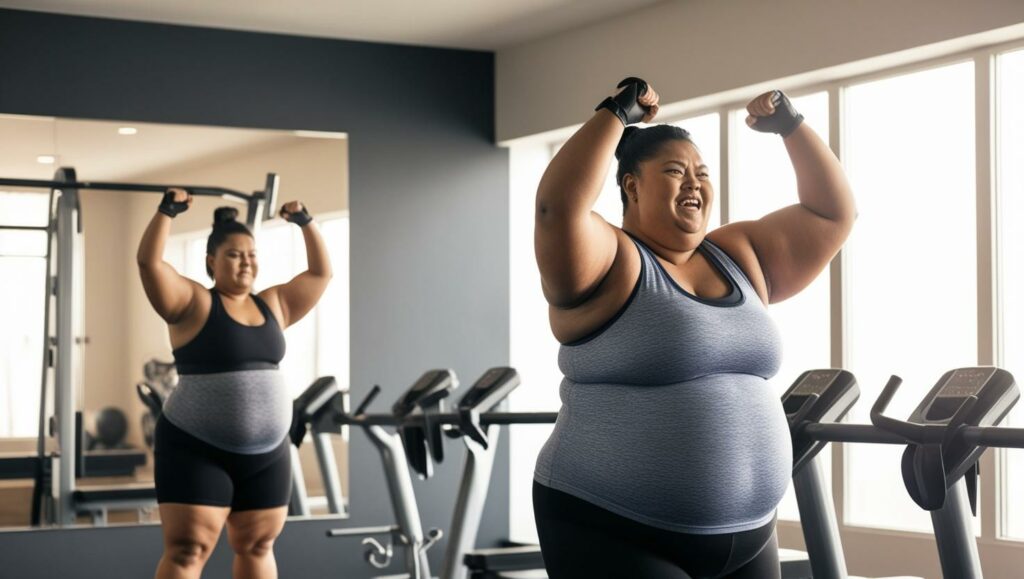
821 398
424 398
421 424
479 428
945 436
313 411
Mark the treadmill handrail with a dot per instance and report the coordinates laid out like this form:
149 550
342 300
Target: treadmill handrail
992 436
855 433
486 418
911 432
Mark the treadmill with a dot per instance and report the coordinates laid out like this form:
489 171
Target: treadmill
821 398
424 397
313 412
944 436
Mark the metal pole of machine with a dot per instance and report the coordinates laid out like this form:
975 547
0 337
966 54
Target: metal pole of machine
299 503
469 504
324 447
818 520
64 399
954 535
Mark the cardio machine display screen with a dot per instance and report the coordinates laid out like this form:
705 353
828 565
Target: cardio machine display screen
965 382
815 382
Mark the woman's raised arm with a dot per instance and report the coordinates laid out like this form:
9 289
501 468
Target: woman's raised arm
575 247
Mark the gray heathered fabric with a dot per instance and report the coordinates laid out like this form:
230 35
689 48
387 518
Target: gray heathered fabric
248 412
668 417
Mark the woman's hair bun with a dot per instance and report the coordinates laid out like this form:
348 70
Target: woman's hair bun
627 135
224 214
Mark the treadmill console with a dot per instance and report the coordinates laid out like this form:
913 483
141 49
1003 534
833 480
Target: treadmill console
423 443
824 395
834 391
490 389
430 389
814 382
994 388
937 458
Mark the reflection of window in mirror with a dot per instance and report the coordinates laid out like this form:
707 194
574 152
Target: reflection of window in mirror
119 330
22 257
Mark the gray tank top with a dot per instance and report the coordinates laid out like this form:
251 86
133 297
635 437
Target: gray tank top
230 392
667 414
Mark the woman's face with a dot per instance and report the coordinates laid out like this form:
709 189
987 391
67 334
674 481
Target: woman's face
234 264
672 193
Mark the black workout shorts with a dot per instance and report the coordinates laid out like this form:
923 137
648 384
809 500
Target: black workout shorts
193 472
580 540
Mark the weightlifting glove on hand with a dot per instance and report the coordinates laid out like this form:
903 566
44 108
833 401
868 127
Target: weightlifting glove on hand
772 112
636 102
295 212
175 201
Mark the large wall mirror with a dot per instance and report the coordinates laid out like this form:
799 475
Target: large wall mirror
119 339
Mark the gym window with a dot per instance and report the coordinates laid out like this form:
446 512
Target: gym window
1009 178
911 266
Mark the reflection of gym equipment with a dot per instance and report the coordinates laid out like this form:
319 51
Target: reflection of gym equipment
54 494
111 430
114 459
313 412
160 380
260 203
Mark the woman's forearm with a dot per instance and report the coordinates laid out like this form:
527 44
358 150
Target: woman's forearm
319 263
821 182
574 178
151 247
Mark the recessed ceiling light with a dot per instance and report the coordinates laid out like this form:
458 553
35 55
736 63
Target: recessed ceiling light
46 159
127 131
320 134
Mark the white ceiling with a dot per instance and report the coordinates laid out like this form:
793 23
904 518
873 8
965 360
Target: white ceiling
99 153
473 24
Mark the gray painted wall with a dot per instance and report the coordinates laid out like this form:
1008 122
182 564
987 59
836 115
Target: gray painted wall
429 236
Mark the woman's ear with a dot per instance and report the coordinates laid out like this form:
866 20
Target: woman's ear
629 185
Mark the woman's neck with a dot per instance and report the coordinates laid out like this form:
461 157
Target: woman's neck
677 250
232 294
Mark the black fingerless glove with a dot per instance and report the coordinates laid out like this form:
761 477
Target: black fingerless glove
624 105
783 121
170 207
300 218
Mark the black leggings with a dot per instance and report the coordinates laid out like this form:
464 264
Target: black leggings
193 472
580 539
